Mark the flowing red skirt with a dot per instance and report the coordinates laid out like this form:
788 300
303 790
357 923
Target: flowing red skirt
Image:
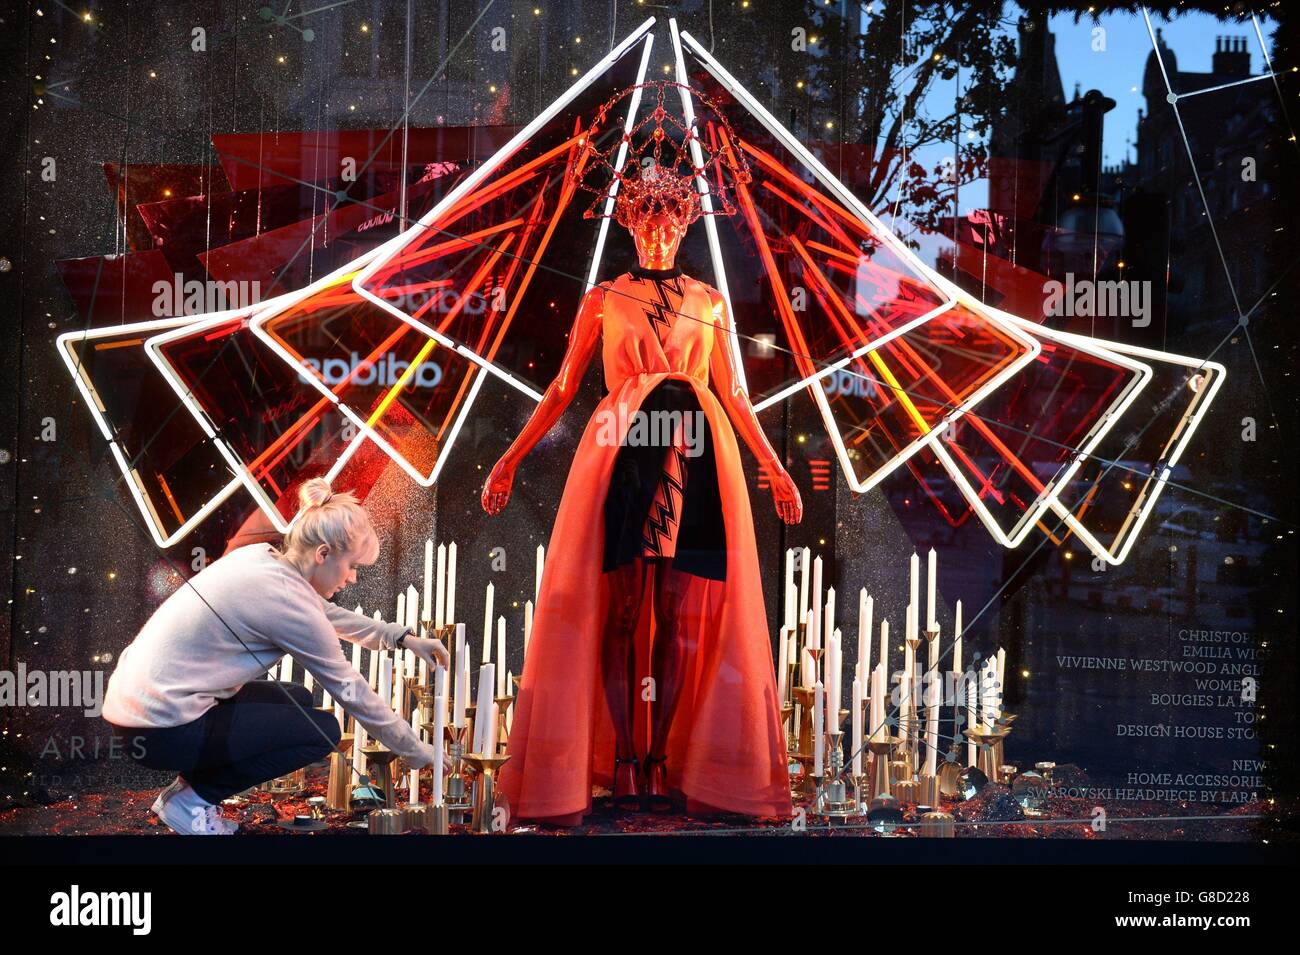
726 751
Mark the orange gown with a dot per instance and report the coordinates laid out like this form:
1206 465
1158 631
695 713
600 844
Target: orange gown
726 749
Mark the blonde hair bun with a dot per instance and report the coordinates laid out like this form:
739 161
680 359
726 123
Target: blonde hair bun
334 518
315 493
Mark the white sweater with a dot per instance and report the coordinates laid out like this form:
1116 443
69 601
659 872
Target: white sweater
189 654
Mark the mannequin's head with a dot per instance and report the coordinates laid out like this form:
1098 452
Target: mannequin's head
657 207
331 538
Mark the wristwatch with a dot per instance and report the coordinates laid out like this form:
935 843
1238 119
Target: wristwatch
402 639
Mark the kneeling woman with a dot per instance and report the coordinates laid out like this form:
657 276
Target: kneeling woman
182 694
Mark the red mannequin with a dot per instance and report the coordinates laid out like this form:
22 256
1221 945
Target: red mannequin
657 218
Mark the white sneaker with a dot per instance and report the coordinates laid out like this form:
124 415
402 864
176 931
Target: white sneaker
186 813
172 789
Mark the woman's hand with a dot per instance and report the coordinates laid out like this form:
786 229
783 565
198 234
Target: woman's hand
430 651
789 506
496 489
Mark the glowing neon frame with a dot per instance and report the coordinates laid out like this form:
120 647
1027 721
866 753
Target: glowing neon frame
64 343
479 175
153 347
1053 488
1116 553
954 293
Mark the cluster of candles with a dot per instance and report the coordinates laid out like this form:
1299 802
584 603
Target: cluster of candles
811 653
392 673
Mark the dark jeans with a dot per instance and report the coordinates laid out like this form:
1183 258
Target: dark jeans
256 735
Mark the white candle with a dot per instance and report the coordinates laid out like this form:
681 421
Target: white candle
386 679
541 563
440 590
413 777
373 682
956 642
1002 682
356 658
930 575
972 700
855 718
815 631
412 618
398 682
837 677
358 742
819 717
439 740
789 592
400 615
461 692
528 625
501 656
914 597
493 728
428 575
865 609
286 669
829 625
877 701
807 670
804 568
782 666
487 625
483 707
932 740
308 683
449 606
884 646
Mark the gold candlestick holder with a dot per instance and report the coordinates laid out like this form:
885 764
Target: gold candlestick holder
485 796
503 733
930 790
338 791
379 760
950 774
833 797
984 738
287 785
804 697
881 746
455 791
1003 722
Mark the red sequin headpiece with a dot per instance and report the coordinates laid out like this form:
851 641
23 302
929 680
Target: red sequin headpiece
658 173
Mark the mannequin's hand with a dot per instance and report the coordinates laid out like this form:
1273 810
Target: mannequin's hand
430 651
789 506
496 489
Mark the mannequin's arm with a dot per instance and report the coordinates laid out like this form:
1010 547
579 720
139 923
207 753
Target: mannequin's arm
722 368
734 399
559 393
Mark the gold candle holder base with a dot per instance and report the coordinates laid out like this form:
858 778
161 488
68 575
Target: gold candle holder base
937 824
379 760
287 785
437 821
485 796
949 774
984 739
929 795
386 822
882 780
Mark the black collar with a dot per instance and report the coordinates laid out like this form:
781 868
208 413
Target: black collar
672 273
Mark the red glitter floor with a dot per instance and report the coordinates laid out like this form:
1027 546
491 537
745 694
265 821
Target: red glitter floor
125 811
